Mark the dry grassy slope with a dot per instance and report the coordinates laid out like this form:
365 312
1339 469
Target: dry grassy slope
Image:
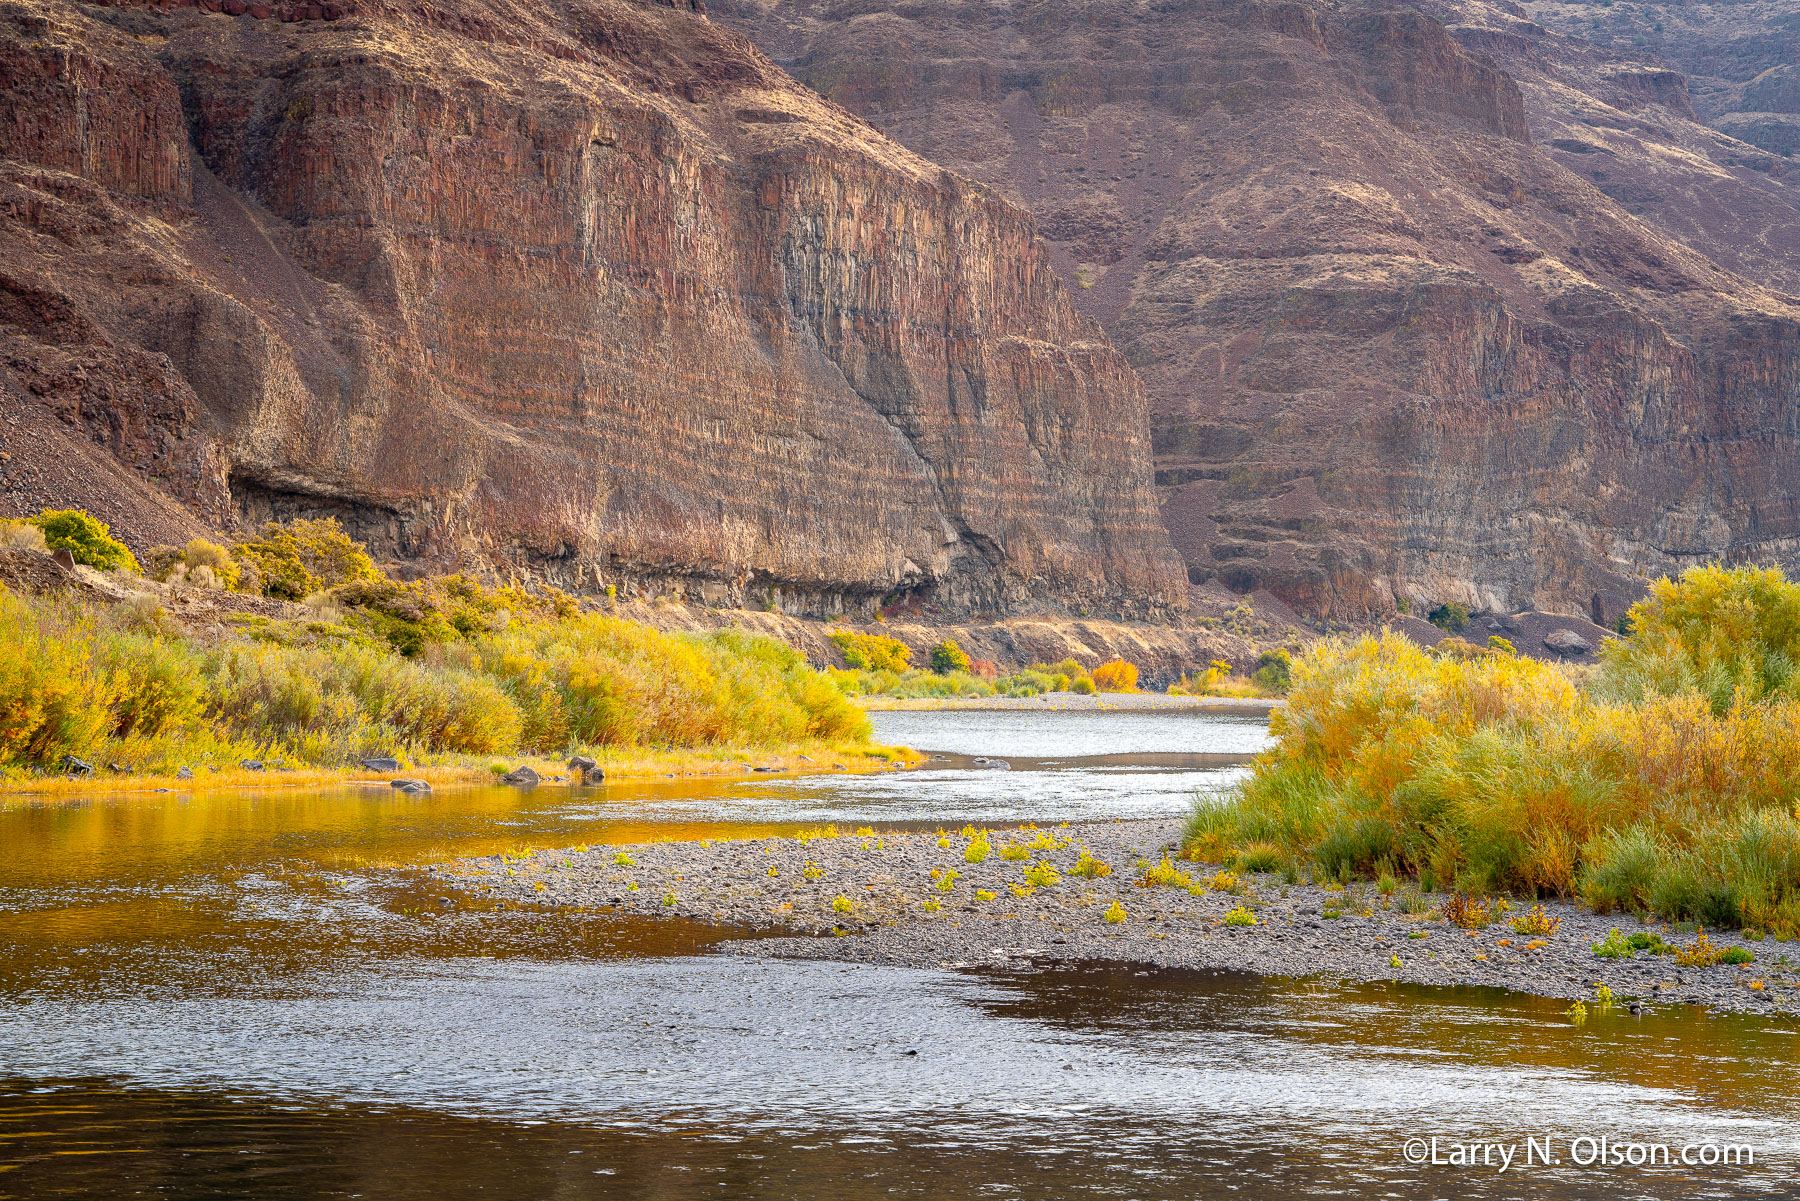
1741 57
587 290
1634 127
1397 342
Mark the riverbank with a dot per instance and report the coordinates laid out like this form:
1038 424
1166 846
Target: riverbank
881 898
112 682
633 764
1073 702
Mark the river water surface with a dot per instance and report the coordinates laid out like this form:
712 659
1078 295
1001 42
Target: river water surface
246 995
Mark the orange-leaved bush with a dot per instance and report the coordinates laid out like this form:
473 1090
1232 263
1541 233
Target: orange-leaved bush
1116 676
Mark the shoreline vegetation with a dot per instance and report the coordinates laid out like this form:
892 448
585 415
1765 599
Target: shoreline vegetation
1663 783
458 680
879 669
1149 702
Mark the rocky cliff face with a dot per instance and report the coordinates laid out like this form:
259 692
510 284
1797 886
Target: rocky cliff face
1739 59
1429 306
589 290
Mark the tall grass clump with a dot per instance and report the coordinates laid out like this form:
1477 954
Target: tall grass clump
1666 781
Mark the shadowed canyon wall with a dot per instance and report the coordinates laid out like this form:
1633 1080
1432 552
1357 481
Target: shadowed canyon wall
589 291
1429 305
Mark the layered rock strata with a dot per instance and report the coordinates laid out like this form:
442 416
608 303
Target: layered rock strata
589 292
1429 305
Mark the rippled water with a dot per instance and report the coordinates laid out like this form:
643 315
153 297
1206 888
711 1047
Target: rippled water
235 995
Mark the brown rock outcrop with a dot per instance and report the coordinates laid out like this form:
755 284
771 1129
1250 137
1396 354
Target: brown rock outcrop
1738 59
1429 306
590 292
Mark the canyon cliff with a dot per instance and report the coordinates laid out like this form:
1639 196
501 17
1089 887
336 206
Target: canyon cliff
588 292
1430 305
1739 60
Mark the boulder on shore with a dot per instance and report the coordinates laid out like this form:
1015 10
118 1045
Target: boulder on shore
1567 642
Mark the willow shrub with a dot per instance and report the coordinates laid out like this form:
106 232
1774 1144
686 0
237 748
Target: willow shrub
1667 782
120 682
53 702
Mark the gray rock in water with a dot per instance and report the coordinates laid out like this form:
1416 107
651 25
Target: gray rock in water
77 767
380 764
522 776
987 764
410 785
1567 642
184 772
251 764
581 763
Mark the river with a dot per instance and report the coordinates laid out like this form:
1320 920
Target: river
248 995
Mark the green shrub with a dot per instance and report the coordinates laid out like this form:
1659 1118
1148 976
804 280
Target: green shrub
405 616
1613 946
1451 616
156 684
294 561
85 537
915 683
947 657
52 702
1084 686
872 652
1274 670
1724 634
1027 683
1620 869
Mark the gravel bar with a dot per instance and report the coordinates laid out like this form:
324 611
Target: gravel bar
873 898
